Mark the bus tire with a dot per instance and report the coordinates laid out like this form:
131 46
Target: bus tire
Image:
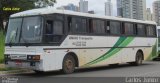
68 64
138 59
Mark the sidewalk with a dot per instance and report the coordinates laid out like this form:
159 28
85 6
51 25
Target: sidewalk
2 66
5 71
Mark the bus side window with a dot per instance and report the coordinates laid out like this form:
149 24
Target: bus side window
151 30
128 28
107 27
58 31
69 19
115 27
90 26
49 31
135 29
54 31
79 25
98 26
141 30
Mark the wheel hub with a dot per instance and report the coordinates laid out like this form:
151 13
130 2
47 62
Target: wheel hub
69 64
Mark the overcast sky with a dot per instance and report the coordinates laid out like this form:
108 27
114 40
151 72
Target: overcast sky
97 5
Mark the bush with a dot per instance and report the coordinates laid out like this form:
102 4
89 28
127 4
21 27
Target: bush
2 39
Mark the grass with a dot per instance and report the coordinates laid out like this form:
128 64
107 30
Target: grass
7 69
1 47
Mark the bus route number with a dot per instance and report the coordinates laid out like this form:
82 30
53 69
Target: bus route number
79 43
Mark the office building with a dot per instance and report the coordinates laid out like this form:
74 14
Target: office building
70 6
135 9
83 5
156 11
148 14
108 8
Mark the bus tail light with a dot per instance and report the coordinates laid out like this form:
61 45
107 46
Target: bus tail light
36 57
33 57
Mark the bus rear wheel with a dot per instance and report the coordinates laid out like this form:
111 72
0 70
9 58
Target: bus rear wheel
138 59
68 64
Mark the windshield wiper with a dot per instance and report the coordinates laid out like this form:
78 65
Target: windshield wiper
25 42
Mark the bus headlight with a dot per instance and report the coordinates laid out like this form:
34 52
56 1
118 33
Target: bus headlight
33 57
29 57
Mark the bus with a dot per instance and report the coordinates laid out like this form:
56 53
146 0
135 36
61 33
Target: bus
158 32
46 40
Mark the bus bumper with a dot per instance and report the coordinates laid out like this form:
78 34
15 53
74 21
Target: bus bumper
33 65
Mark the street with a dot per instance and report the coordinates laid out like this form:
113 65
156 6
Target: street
148 69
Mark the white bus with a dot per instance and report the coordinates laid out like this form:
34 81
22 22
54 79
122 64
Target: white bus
158 32
47 40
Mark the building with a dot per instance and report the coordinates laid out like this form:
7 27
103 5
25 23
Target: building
119 8
135 9
70 6
149 15
83 5
108 8
156 12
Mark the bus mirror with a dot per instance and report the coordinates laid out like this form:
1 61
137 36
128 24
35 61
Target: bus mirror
6 26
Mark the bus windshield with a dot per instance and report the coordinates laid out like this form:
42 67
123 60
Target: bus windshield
27 31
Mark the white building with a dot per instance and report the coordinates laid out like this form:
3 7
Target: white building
156 12
108 8
148 14
83 5
70 6
135 9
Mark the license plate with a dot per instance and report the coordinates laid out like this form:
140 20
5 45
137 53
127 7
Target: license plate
18 63
23 57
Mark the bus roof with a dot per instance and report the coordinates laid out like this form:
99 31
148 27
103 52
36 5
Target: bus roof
42 11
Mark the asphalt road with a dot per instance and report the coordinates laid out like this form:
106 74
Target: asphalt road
148 69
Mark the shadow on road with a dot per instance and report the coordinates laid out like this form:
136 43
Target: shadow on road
57 73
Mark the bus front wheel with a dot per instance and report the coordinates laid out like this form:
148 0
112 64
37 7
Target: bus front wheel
138 59
68 64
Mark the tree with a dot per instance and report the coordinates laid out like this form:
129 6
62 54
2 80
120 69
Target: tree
44 3
22 4
7 7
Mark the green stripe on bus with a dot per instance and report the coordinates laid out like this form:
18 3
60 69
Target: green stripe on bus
153 54
122 42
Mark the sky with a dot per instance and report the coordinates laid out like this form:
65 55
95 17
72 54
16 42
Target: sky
98 5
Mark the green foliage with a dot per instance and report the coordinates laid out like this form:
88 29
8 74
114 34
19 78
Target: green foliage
10 4
22 5
44 3
7 69
1 47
